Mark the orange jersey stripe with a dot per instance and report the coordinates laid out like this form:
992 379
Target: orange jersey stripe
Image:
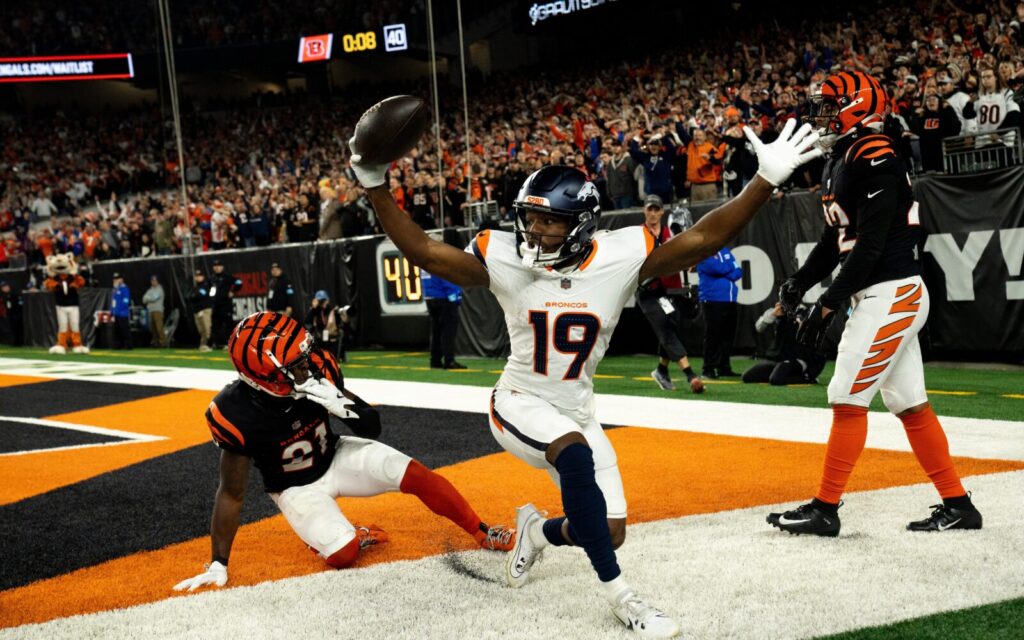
904 289
590 258
482 240
648 241
880 153
218 435
226 424
880 145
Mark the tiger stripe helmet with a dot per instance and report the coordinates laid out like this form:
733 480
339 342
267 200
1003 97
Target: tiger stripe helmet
265 346
847 100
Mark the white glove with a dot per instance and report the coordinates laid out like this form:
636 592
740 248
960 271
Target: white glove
328 396
215 573
778 160
369 175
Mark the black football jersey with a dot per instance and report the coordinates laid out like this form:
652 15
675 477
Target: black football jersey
289 440
872 223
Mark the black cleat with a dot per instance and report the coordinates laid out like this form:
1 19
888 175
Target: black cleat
806 519
944 518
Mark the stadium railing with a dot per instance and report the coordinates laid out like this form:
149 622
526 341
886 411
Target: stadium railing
974 153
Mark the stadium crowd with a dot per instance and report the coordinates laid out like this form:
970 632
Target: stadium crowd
274 169
51 27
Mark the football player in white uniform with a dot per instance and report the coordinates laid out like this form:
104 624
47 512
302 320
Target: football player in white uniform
562 285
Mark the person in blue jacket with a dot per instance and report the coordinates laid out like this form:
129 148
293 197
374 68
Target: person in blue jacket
443 301
656 159
718 290
121 309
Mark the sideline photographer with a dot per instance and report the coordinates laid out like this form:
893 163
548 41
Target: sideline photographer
789 362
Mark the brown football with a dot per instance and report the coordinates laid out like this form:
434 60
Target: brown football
391 128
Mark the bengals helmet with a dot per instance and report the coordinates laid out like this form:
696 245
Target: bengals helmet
563 192
265 347
847 101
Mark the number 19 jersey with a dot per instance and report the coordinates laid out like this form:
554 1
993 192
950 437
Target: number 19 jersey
560 321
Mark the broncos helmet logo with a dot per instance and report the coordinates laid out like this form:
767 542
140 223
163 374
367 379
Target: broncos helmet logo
588 190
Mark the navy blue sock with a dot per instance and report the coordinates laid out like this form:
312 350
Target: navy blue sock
553 531
585 508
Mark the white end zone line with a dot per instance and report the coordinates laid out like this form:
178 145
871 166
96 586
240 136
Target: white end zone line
971 437
129 437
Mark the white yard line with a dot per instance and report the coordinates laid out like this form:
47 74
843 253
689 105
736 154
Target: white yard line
971 437
722 575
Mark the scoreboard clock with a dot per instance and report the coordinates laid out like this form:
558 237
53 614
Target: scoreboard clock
398 283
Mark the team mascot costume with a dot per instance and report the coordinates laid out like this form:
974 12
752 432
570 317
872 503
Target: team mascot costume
65 282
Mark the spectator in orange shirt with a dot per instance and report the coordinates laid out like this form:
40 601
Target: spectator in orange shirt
702 156
45 243
90 242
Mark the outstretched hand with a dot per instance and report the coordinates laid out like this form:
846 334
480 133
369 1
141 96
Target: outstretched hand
215 573
778 160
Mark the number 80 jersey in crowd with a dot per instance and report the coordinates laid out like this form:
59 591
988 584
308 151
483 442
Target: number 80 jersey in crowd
560 321
289 440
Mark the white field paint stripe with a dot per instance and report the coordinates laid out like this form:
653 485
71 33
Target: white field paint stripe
971 437
721 575
128 436
70 447
103 431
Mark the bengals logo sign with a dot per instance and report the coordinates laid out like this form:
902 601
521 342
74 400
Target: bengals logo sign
315 48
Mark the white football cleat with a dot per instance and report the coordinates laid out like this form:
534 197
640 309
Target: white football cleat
642 618
525 552
81 349
58 349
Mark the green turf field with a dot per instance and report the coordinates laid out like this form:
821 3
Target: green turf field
999 621
965 392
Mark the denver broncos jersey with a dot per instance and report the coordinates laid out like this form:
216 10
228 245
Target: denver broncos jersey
560 321
872 224
289 440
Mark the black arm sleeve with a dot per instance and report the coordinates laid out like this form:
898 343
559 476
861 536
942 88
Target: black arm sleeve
823 259
874 216
368 424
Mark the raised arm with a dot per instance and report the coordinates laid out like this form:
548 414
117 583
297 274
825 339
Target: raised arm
776 162
420 249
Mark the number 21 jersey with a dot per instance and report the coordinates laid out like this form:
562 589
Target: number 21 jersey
560 321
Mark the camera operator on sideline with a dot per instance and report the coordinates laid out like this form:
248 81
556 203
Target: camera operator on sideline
789 362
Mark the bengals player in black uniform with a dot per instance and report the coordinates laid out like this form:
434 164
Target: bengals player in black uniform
872 228
277 414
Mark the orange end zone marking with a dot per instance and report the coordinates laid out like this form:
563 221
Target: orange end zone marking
9 380
667 474
177 416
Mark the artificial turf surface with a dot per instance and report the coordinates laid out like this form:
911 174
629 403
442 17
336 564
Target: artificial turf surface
999 621
953 391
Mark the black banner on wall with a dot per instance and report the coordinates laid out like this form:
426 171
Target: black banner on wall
972 260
